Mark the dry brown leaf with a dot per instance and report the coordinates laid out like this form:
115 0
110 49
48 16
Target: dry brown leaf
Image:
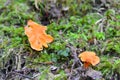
95 75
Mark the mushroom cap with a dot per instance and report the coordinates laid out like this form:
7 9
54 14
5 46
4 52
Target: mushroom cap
89 57
37 36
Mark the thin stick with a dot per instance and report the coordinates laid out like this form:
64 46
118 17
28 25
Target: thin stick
76 59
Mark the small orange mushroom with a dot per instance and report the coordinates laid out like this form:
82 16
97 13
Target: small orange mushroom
89 58
37 36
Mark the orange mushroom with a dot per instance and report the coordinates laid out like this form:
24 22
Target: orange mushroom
89 58
37 36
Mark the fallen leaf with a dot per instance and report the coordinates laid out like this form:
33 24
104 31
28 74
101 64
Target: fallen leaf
95 75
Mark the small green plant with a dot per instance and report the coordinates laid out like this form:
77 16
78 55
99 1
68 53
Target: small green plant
47 75
109 67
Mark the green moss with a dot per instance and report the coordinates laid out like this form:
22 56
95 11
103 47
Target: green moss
82 28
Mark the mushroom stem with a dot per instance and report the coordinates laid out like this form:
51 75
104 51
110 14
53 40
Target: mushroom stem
86 65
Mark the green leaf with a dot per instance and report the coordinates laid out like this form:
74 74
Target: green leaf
64 52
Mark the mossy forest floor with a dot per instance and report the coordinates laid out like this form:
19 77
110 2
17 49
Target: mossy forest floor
76 25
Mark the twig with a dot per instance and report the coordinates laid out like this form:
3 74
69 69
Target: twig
19 59
74 54
7 2
25 76
42 63
36 75
76 59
